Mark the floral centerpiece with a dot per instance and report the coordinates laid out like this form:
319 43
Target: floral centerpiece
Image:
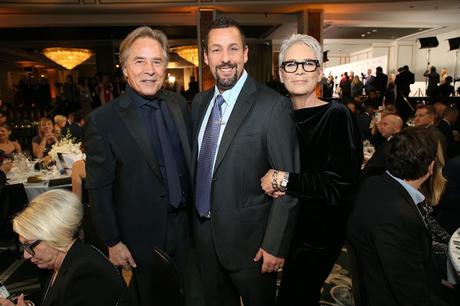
69 149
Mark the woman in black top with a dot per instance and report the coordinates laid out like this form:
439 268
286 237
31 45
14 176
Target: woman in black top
331 155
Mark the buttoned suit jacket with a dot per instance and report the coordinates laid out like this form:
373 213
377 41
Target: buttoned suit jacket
391 246
258 136
126 188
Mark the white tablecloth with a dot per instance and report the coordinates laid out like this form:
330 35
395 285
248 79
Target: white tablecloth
34 189
453 263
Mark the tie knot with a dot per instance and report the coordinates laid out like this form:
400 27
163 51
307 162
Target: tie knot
219 100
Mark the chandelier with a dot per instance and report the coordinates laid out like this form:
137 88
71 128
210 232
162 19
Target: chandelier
190 53
67 57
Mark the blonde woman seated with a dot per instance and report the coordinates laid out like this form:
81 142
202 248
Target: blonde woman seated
43 142
7 147
82 275
60 122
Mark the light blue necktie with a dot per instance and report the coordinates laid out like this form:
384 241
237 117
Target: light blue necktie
206 158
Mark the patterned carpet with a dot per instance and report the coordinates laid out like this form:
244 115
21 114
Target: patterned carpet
21 276
337 289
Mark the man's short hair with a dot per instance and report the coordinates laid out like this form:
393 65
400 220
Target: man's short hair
223 23
449 111
143 32
430 110
411 152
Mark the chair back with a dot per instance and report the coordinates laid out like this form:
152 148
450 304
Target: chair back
167 285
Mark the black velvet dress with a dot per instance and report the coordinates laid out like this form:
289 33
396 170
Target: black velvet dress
331 155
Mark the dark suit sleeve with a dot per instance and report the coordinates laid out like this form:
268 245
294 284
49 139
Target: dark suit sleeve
283 154
400 247
100 178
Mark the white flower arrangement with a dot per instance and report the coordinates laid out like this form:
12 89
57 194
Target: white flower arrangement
69 148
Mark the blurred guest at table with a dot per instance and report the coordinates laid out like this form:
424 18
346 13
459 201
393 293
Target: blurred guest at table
433 79
372 99
446 89
137 165
5 167
391 246
403 81
328 87
60 122
43 142
356 87
7 147
443 76
3 117
105 90
439 108
331 154
449 206
81 275
380 82
368 80
445 126
364 119
389 126
425 116
73 126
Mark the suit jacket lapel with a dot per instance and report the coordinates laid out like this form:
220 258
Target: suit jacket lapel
133 123
181 128
239 112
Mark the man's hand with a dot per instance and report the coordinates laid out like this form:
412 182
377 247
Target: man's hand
270 262
120 256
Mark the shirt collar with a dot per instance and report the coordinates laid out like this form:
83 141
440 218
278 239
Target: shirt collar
231 95
139 101
416 195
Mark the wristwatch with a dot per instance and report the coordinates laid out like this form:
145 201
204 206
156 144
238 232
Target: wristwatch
284 182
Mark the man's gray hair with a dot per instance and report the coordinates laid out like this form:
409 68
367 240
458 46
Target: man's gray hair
143 32
301 39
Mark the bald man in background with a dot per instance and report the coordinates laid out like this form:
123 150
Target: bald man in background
389 126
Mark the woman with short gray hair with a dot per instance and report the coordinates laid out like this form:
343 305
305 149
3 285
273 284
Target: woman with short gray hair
330 157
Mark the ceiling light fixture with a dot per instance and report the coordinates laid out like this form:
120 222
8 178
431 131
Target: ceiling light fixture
68 58
189 53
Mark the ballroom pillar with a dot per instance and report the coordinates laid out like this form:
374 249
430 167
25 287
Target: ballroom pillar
105 59
311 22
204 19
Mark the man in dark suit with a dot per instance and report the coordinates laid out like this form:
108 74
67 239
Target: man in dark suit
389 126
389 239
403 81
137 156
241 130
445 126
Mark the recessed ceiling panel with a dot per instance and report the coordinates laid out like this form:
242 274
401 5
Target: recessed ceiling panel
346 32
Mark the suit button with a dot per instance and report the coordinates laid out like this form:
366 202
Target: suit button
162 196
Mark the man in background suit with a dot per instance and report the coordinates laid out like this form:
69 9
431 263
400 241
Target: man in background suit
390 241
137 156
389 126
241 130
403 81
